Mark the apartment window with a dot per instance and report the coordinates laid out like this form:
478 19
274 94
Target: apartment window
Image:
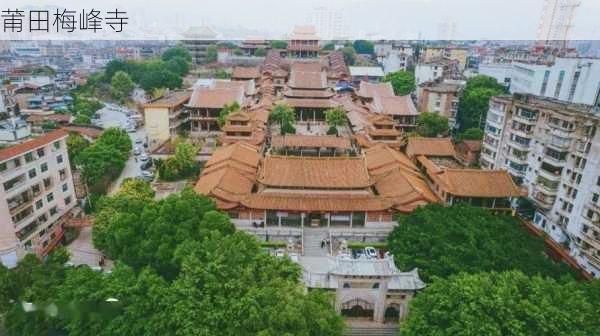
35 189
50 197
44 167
545 82
3 167
590 214
47 182
59 159
40 152
595 198
17 162
32 173
561 78
39 204
29 157
574 85
42 218
68 200
56 144
45 244
53 211
42 232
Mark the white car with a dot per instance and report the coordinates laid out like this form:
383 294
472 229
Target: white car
371 252
146 175
138 141
144 157
137 151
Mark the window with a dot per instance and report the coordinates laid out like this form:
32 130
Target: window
53 211
41 152
50 197
65 187
35 189
574 85
347 285
44 167
3 166
39 204
595 198
68 200
47 182
376 285
545 82
29 157
42 218
32 173
561 77
59 159
42 232
56 144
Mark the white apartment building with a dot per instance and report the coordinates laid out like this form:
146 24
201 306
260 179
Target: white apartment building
430 71
36 196
551 147
570 79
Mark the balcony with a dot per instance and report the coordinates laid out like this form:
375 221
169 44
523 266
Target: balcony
19 202
520 158
591 238
543 201
23 217
592 258
25 232
547 187
550 176
523 146
525 120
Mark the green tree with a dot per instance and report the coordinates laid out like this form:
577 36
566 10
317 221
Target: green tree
226 110
178 66
431 125
121 85
211 54
349 55
283 115
364 47
182 164
471 134
507 304
260 52
403 82
278 44
329 46
222 74
75 145
474 103
82 119
238 52
177 52
103 161
159 78
335 117
287 128
442 241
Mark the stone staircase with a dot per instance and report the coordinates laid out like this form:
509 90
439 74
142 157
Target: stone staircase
373 331
312 242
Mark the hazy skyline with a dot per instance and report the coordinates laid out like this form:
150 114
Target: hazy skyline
390 19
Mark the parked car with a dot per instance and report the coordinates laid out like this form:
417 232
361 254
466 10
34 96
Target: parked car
146 165
138 141
137 151
146 175
144 157
371 252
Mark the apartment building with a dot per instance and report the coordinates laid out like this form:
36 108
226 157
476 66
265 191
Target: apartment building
551 147
36 196
571 79
165 116
441 98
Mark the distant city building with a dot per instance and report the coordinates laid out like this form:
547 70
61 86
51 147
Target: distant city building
330 24
371 74
36 194
556 21
551 147
441 98
430 71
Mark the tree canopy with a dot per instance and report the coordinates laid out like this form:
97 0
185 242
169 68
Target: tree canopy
442 241
432 125
182 164
403 82
121 85
349 55
278 44
177 52
501 304
474 103
211 54
335 117
227 108
284 115
471 134
260 52
364 47
103 161
75 145
329 46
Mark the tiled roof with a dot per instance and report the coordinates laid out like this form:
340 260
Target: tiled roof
245 72
369 90
479 183
238 116
60 118
89 131
222 93
312 172
430 147
308 93
315 202
171 100
325 141
27 146
242 153
397 105
472 145
307 75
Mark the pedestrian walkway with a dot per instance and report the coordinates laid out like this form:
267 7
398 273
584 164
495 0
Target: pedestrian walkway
312 242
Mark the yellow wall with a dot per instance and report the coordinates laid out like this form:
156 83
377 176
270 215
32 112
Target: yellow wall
157 124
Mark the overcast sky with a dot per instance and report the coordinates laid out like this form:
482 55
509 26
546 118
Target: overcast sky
472 19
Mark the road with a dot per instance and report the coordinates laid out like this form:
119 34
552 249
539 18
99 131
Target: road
111 117
82 249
